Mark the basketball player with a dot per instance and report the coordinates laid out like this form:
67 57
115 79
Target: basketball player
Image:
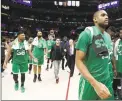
20 51
92 59
38 47
50 44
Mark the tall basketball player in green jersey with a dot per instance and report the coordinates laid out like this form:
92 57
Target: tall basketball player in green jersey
118 54
38 48
92 59
20 51
50 44
30 60
112 65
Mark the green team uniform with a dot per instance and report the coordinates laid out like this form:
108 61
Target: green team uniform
119 60
97 66
110 63
50 44
20 59
38 52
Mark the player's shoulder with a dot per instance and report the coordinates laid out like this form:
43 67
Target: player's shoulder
107 35
85 32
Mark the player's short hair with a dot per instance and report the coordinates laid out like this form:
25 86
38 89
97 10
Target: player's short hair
20 32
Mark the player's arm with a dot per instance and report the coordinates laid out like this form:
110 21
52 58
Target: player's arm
113 61
81 51
80 55
7 46
30 54
7 57
32 48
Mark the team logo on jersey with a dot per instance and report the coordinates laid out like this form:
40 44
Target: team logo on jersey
99 43
120 49
99 46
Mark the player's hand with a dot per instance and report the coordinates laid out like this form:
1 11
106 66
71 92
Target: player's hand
115 73
35 60
4 65
49 51
101 90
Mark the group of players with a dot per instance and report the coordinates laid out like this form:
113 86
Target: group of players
97 59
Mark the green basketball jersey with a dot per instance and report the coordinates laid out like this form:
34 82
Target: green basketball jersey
20 55
50 43
119 61
97 66
38 50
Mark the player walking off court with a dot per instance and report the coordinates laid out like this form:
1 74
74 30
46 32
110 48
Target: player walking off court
118 54
50 44
30 60
38 47
20 51
92 59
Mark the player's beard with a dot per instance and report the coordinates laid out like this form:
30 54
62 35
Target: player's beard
39 36
22 40
102 26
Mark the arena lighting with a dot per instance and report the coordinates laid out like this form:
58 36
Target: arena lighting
5 7
60 3
77 3
69 3
28 18
108 5
119 19
4 14
55 3
73 3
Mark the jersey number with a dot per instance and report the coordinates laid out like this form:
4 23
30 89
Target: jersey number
20 52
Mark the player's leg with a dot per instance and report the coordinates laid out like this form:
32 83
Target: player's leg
22 82
23 70
39 73
30 68
35 66
15 70
40 62
35 72
47 64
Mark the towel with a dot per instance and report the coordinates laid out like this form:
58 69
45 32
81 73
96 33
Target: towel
116 49
16 44
35 41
